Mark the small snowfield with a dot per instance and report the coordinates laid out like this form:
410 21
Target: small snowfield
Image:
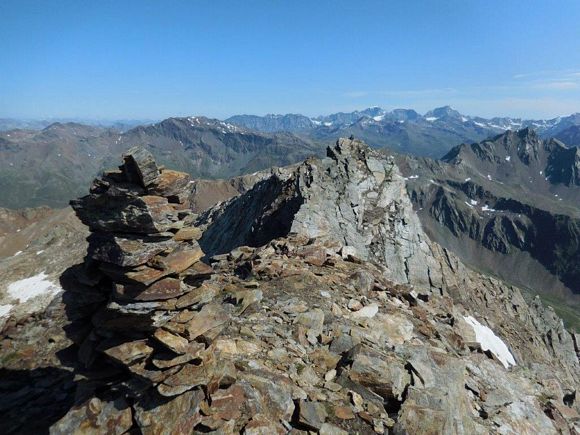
489 341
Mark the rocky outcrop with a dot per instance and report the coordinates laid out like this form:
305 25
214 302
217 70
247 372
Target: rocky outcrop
356 197
323 325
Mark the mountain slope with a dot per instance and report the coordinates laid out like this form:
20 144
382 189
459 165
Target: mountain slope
210 148
570 136
48 167
509 206
273 123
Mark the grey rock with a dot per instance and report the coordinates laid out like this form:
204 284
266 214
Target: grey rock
140 166
312 415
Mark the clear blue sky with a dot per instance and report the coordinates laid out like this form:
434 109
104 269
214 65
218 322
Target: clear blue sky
152 59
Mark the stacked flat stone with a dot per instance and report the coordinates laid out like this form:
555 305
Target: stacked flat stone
159 319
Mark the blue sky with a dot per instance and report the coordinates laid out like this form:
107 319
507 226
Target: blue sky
153 59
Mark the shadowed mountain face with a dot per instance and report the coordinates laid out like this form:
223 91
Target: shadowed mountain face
515 195
570 136
50 166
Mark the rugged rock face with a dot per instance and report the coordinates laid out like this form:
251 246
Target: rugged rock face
533 159
207 193
517 197
355 198
322 325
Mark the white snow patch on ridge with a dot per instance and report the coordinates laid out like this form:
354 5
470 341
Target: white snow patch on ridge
5 309
29 288
489 341
369 311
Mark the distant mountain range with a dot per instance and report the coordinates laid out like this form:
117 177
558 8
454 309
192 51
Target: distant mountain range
49 165
38 124
405 130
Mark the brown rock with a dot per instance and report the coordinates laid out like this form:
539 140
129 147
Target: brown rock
127 213
157 416
163 361
173 263
190 233
172 185
95 418
127 353
173 342
344 412
275 392
198 270
180 259
128 251
165 288
227 404
203 294
140 166
210 373
211 316
383 374
262 424
143 371
313 322
143 275
311 414
329 429
314 255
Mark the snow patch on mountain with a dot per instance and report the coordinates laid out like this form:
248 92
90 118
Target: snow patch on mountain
489 341
28 288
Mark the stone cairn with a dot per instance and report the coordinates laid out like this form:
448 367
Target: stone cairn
144 257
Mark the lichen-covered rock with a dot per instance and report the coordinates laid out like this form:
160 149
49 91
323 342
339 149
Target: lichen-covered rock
96 417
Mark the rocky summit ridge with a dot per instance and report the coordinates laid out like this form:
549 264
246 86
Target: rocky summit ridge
311 303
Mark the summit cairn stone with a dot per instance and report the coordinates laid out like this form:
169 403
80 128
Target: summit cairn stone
139 218
140 167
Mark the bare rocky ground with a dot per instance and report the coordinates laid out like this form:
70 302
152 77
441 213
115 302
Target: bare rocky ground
320 306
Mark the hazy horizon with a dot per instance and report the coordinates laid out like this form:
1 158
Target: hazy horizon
183 115
152 60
